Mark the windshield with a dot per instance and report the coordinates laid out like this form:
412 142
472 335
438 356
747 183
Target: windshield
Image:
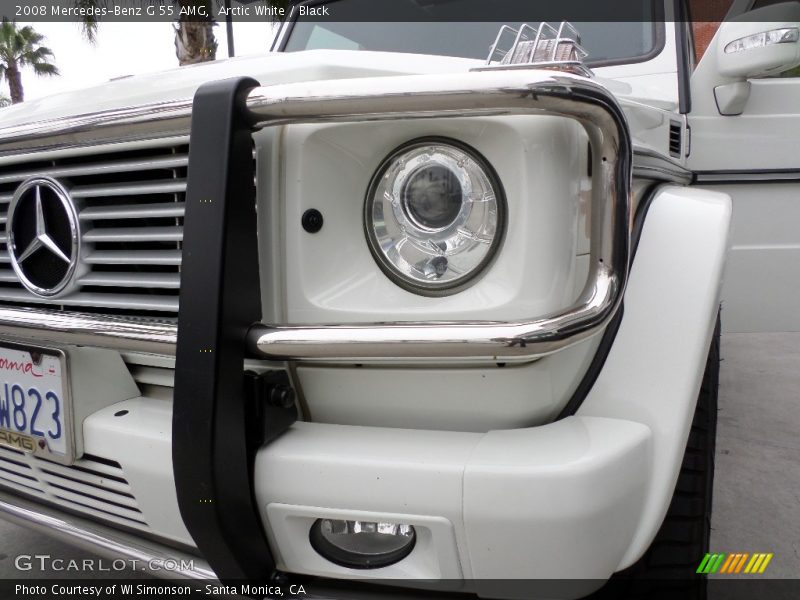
439 30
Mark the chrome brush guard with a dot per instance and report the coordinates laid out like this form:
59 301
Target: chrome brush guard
486 93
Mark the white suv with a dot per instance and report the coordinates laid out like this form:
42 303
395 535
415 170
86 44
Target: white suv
455 332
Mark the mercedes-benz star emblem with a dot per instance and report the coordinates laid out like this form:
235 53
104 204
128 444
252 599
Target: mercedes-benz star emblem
43 236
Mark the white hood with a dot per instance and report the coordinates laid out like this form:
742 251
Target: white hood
272 68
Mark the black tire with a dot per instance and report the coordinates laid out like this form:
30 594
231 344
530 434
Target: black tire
668 568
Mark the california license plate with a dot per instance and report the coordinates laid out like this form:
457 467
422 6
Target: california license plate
35 409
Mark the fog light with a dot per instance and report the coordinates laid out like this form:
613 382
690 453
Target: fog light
362 544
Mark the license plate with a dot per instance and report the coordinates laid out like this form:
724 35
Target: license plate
35 407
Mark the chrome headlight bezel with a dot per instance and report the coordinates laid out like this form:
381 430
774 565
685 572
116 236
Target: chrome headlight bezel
387 266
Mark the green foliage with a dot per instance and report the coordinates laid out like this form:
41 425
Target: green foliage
22 47
89 22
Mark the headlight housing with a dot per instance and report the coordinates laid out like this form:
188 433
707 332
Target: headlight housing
435 216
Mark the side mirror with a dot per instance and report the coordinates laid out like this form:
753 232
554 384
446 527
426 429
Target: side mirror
762 42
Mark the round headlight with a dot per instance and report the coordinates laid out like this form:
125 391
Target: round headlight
434 215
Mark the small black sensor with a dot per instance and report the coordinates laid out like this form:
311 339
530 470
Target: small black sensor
312 220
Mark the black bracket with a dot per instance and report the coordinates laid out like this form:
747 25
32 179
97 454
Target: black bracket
217 424
271 402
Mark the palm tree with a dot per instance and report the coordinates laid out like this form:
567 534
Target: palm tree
194 35
19 48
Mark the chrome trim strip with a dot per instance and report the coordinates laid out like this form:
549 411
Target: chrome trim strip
133 211
105 300
149 121
130 189
753 176
490 341
98 538
104 331
498 92
166 233
133 280
131 257
126 166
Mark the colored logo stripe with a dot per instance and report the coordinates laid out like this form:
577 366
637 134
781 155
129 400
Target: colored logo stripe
703 568
734 563
729 562
740 564
758 564
711 563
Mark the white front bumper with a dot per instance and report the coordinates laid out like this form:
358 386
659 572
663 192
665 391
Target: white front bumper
506 504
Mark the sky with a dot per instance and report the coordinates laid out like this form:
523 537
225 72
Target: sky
123 49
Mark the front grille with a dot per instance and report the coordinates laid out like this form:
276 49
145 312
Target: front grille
131 207
92 485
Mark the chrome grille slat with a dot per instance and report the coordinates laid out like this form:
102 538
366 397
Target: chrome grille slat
170 186
170 162
132 211
131 204
131 257
135 280
117 301
134 234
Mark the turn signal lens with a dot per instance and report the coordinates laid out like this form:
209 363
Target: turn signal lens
362 544
786 35
435 216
